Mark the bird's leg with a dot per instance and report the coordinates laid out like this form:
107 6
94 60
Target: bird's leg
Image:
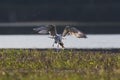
53 45
62 45
57 45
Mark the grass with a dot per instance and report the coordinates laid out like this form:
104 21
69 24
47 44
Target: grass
23 64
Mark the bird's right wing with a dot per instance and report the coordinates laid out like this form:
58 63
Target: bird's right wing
41 30
51 29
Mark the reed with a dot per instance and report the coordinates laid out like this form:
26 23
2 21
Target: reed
24 64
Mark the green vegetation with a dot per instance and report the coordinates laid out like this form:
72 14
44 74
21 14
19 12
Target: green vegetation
33 64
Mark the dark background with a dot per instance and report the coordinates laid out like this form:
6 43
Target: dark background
60 10
67 10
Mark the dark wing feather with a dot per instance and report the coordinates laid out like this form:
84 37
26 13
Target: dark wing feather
66 31
74 32
52 30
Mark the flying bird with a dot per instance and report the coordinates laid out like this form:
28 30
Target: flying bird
68 30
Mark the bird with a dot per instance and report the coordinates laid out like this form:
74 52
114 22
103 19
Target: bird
51 29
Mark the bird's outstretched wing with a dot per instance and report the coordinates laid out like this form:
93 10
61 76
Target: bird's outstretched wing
74 32
51 29
41 30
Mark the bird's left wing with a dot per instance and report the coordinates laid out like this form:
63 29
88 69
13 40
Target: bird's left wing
41 30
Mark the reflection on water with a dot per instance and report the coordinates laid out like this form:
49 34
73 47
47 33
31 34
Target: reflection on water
38 41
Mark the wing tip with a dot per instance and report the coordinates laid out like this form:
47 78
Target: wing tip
84 36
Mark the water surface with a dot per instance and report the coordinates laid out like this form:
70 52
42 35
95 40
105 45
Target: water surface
42 41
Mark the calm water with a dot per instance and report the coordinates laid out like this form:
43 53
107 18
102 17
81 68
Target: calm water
38 41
